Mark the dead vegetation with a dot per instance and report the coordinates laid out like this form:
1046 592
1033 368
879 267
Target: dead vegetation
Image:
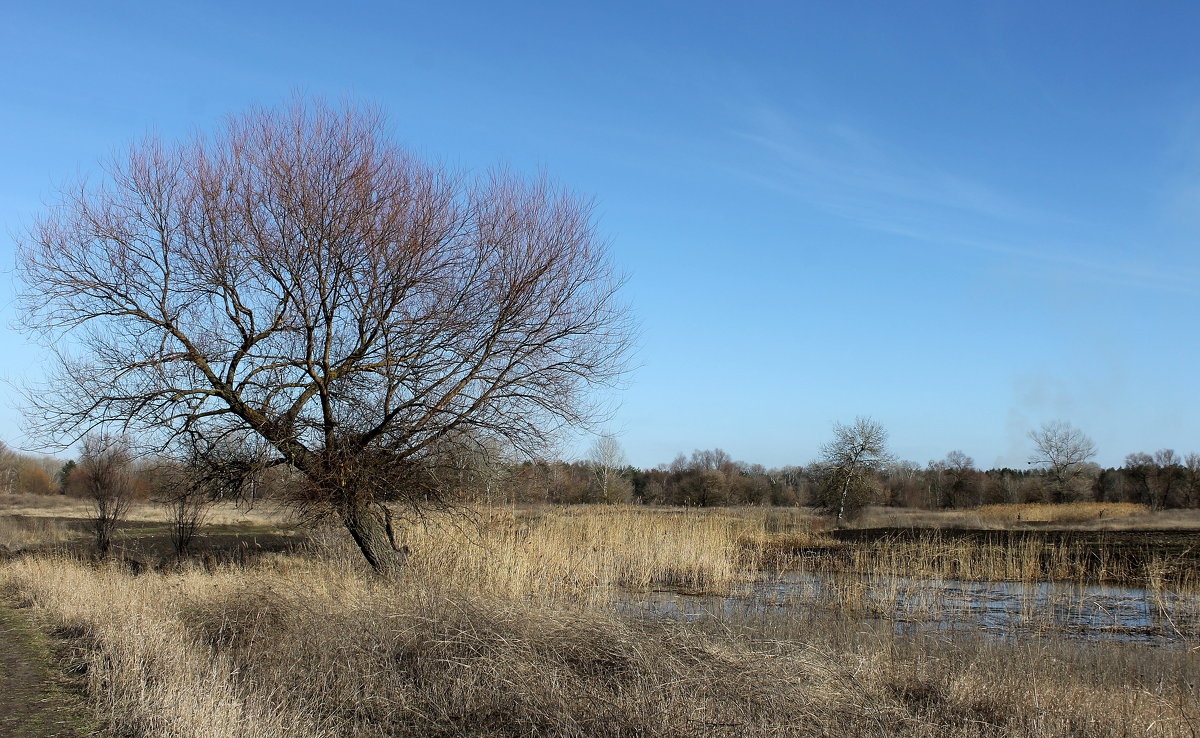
504 625
1064 516
19 532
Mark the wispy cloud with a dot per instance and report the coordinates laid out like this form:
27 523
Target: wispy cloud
852 171
864 179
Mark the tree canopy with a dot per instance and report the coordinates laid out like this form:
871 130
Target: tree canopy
299 281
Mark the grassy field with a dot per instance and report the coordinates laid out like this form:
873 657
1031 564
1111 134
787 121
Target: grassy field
504 624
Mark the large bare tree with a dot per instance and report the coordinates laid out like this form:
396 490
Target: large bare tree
1062 450
300 277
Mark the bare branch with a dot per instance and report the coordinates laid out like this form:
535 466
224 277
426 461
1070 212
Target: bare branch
299 277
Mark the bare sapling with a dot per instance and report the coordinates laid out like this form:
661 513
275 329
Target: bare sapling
104 477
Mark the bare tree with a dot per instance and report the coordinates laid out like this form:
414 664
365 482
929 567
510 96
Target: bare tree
965 485
848 466
605 461
469 466
936 489
1138 473
104 476
1062 449
299 277
1167 480
705 488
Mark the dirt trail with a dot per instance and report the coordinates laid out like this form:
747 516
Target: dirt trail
35 702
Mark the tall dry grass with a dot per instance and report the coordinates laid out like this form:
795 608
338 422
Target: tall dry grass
1075 512
583 554
935 557
297 647
504 625
18 532
573 553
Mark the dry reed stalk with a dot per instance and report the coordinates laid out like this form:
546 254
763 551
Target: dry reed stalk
579 554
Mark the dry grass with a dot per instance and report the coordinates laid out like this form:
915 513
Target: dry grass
300 648
18 532
1031 561
1067 516
579 554
1075 512
74 508
504 625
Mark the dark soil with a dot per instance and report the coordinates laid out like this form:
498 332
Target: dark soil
1165 542
1177 550
149 544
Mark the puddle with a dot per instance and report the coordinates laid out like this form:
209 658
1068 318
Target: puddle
1002 609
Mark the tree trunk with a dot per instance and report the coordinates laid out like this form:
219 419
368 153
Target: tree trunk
371 528
842 503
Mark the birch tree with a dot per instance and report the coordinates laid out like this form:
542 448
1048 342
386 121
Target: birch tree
848 466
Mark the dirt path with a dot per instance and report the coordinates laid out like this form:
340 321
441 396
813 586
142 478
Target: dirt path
35 701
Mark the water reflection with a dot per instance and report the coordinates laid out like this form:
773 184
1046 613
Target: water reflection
1002 609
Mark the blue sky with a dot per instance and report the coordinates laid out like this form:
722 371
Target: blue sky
961 221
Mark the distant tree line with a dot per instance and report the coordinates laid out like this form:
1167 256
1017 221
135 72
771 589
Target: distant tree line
854 470
710 478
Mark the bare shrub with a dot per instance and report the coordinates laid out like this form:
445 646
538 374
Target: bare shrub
104 477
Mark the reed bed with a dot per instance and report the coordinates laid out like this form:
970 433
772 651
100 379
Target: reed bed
934 557
299 647
1068 516
505 623
580 554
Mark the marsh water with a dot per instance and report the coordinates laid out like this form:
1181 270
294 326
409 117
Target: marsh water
1000 609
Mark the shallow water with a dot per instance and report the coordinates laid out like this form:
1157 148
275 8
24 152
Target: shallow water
1001 609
